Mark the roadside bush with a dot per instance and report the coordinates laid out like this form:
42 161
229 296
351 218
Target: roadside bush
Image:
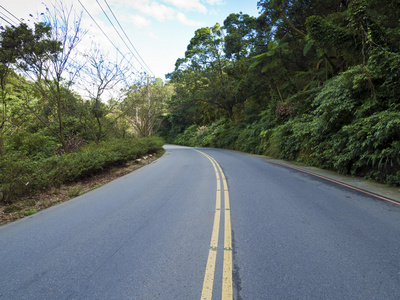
289 141
249 139
226 135
336 103
15 177
186 138
373 147
21 175
34 145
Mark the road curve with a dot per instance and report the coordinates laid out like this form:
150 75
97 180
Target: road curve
147 236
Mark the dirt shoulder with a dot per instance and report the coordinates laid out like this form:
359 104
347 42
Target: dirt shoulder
26 206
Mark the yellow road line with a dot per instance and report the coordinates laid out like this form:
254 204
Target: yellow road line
215 231
227 286
208 282
227 289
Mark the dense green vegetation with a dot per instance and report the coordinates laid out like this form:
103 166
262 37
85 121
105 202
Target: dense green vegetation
316 81
21 174
67 114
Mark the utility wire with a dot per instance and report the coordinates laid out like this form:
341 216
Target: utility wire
123 40
6 20
128 38
11 14
117 31
123 56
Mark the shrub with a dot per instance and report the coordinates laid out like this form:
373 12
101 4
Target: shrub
289 141
374 146
186 138
15 178
249 139
34 145
20 175
226 135
336 104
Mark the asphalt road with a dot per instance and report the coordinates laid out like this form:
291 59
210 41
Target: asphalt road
147 236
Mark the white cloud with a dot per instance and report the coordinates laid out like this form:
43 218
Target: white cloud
216 2
153 36
153 9
192 5
185 21
137 20
158 11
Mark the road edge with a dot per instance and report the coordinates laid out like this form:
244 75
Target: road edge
372 188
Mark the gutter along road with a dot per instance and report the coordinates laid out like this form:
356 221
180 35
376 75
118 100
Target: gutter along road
205 223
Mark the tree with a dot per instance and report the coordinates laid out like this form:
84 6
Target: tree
144 104
19 46
52 72
242 36
102 76
205 64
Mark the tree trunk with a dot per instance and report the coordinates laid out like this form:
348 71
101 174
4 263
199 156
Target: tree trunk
100 128
2 144
60 120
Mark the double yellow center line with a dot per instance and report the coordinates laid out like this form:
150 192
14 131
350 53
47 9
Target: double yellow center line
227 289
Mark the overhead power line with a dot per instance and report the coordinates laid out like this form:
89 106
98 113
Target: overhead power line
11 14
128 38
123 56
6 20
116 30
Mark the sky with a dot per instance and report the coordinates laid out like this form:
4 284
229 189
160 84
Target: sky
159 30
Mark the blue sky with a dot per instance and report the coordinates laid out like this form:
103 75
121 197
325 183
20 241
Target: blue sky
160 30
